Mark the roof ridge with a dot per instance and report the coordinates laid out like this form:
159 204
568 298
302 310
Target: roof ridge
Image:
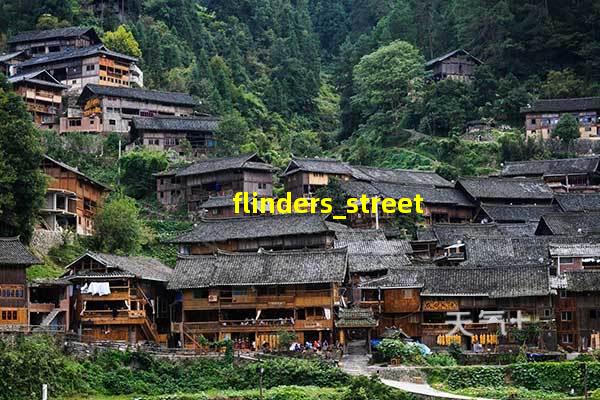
10 238
340 250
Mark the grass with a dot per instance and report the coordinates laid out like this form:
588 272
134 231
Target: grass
507 392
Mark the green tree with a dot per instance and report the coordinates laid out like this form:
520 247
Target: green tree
567 129
563 84
118 228
123 41
22 183
447 108
137 168
387 82
232 134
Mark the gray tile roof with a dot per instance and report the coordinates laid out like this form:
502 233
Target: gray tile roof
218 202
582 281
515 213
152 96
78 172
219 230
9 56
30 36
51 58
514 230
575 250
322 165
356 318
245 161
578 224
578 202
497 282
42 78
176 124
564 105
582 165
262 268
130 266
448 234
13 252
343 237
506 188
451 54
397 278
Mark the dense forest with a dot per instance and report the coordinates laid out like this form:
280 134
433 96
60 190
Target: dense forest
345 77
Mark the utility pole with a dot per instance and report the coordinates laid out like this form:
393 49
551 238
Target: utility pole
262 371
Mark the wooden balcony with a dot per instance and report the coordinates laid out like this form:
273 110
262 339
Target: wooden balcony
106 317
41 307
261 325
320 298
117 293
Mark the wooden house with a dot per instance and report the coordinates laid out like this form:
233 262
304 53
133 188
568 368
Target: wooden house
42 95
225 176
36 43
72 198
119 298
575 256
568 175
494 190
170 133
542 116
458 64
49 305
9 62
250 297
423 301
106 109
14 261
277 232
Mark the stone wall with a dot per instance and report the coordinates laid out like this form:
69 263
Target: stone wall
43 240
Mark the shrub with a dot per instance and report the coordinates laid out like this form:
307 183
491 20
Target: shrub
467 377
440 360
393 348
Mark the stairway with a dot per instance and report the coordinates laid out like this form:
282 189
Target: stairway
50 317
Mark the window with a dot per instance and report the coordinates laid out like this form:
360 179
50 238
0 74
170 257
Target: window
112 122
90 67
566 338
547 313
92 121
533 121
566 316
262 185
200 293
566 260
9 315
74 122
407 293
593 314
73 81
563 293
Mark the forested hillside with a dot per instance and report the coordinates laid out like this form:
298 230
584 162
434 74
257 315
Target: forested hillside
345 77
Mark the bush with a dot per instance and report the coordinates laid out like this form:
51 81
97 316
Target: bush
549 376
440 360
393 348
467 377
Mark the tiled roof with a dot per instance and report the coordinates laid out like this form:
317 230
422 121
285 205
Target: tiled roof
343 237
152 96
517 230
322 165
142 267
516 213
30 36
217 202
173 123
578 202
564 105
245 161
495 282
451 54
78 172
42 78
578 224
356 318
397 278
219 230
9 56
582 281
505 188
13 252
448 234
575 250
262 268
582 165
68 54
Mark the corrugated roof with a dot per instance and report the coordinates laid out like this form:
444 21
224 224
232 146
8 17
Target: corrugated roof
262 268
563 105
220 230
13 252
582 165
152 96
174 123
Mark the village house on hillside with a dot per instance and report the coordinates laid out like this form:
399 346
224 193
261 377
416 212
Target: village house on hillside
562 175
72 198
9 62
195 184
278 232
250 297
542 116
14 261
106 109
492 190
170 132
119 298
42 95
86 65
53 40
458 64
